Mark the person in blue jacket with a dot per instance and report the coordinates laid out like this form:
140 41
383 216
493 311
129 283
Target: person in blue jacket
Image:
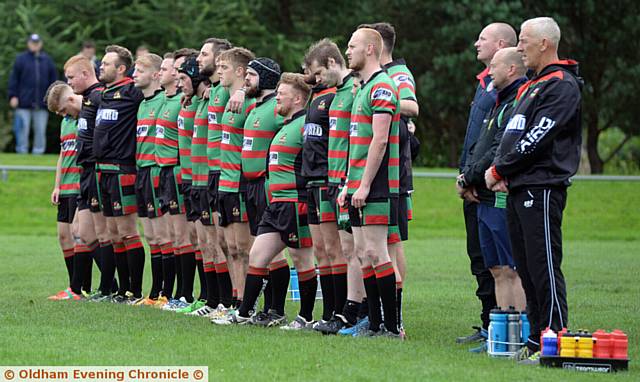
32 73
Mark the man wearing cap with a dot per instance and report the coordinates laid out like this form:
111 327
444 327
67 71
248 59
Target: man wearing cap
32 73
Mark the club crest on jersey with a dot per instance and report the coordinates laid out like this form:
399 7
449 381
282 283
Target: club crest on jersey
360 108
293 238
382 94
256 124
340 104
232 119
217 99
117 95
235 211
166 114
283 138
117 206
152 113
322 105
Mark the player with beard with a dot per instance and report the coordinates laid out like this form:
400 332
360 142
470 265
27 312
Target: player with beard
146 77
372 180
327 65
204 193
115 149
92 225
231 68
284 223
61 100
260 127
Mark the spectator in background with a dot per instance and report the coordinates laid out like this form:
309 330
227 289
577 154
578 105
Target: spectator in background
89 51
33 71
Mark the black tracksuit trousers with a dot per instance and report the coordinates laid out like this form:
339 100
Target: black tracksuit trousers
486 286
535 219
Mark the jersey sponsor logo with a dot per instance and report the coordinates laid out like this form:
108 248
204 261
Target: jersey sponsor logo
382 94
333 123
353 129
106 115
226 137
160 132
401 79
273 158
180 122
142 131
247 144
536 134
212 118
312 130
68 145
82 124
517 123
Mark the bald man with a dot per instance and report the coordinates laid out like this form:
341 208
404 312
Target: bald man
492 38
372 181
539 153
507 72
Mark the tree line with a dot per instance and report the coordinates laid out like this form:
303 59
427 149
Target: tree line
435 37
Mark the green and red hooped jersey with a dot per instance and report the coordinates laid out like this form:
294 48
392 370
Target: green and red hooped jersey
69 170
218 98
231 179
185 133
403 78
339 121
199 161
286 183
167 131
259 129
378 95
146 129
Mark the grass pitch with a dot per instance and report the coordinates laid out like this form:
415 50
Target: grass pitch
600 264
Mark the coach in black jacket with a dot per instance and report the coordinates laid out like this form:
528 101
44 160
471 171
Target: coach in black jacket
539 152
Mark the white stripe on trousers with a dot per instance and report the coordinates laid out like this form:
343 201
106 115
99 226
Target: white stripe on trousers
552 279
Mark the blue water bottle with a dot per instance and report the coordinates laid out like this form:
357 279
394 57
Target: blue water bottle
498 330
525 327
549 343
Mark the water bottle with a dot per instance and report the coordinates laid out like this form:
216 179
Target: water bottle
513 330
525 327
585 345
549 343
293 285
568 345
498 326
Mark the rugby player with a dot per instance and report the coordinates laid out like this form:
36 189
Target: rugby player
372 180
92 225
322 218
231 68
206 176
146 77
326 64
62 101
409 108
115 149
284 223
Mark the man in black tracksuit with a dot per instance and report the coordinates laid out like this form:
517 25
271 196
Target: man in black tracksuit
539 152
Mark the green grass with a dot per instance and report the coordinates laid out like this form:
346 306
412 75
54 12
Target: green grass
601 268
